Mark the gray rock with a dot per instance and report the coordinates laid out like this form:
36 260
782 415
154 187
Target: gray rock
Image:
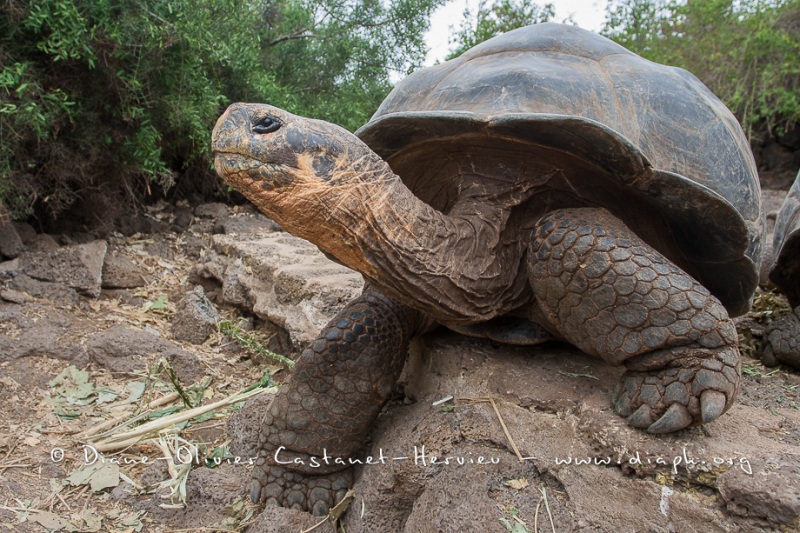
282 279
183 218
42 242
195 318
55 292
124 296
76 237
245 224
235 287
209 495
127 350
17 297
130 224
79 266
48 332
10 242
244 428
26 231
9 268
195 246
773 494
277 519
154 474
215 486
201 226
160 248
212 210
119 272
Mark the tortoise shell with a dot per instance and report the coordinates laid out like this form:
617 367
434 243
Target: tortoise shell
552 116
785 270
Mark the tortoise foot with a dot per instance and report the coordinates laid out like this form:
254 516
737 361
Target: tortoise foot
782 341
318 494
323 414
611 295
670 390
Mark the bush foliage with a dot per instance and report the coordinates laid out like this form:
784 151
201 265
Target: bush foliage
499 17
116 99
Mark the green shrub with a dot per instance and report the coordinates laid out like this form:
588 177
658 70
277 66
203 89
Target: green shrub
500 17
106 101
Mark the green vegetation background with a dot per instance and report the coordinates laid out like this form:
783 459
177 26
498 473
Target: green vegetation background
104 103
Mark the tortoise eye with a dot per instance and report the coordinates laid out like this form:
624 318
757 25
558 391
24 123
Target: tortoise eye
266 125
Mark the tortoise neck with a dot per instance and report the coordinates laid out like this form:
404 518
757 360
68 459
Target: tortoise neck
455 268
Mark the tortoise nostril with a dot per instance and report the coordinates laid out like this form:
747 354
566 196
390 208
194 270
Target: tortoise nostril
265 125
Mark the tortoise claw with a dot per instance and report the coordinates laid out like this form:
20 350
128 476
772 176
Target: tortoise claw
712 404
622 401
320 501
677 417
642 417
320 508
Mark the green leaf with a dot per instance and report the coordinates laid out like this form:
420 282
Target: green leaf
159 305
218 456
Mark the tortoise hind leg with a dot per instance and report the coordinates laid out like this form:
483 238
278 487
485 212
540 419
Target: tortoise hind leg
610 294
326 409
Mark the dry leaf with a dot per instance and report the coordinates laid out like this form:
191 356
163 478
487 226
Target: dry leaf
517 484
51 521
99 475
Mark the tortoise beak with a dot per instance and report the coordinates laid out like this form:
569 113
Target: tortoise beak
232 130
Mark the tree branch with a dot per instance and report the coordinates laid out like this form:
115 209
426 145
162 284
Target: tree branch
303 33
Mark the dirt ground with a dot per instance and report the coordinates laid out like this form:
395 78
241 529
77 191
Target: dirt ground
59 380
69 388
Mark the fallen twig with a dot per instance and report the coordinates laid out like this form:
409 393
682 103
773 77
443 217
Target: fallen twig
502 424
94 430
123 440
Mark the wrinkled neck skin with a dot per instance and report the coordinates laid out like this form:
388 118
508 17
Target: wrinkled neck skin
454 268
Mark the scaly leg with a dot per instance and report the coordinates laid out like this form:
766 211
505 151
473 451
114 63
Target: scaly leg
610 294
782 341
335 393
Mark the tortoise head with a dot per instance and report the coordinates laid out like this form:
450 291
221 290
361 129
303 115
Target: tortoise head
270 155
310 176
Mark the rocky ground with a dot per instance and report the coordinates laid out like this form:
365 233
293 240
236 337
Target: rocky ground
176 313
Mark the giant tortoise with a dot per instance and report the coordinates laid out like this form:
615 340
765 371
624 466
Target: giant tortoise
547 184
782 337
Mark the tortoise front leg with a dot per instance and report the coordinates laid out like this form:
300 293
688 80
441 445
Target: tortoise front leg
782 341
327 408
610 294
